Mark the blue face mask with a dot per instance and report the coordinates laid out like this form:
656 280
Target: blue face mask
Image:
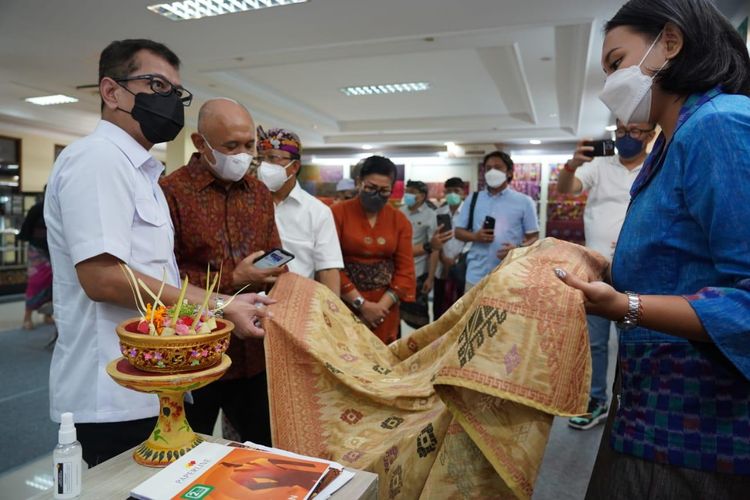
628 147
410 199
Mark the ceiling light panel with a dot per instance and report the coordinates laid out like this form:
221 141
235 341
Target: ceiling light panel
197 9
386 88
48 100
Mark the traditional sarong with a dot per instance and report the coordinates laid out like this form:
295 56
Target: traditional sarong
39 283
460 409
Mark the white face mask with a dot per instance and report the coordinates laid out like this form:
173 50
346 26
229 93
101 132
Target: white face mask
495 178
229 167
272 175
627 92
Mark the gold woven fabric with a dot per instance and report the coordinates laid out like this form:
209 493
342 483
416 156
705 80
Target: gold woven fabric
460 409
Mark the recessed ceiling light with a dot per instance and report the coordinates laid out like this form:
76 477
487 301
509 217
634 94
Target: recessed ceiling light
610 128
535 142
386 88
366 147
196 9
47 100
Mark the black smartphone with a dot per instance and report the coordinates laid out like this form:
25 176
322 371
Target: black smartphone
273 258
604 147
489 223
445 221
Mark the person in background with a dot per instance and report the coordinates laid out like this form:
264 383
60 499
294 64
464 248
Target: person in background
223 217
104 208
450 276
514 216
680 425
345 190
305 224
607 180
39 270
427 241
376 242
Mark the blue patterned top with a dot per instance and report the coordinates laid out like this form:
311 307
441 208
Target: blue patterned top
687 233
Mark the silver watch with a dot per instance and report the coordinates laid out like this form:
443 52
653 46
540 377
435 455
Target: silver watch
218 307
633 316
358 302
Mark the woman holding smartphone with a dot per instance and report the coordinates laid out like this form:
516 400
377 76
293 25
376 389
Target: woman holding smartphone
681 270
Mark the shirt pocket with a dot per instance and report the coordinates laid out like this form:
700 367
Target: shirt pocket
149 211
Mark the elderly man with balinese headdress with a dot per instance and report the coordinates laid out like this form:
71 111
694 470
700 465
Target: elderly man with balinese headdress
305 223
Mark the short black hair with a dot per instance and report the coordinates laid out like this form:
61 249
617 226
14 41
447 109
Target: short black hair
117 60
454 182
713 52
502 155
378 165
418 185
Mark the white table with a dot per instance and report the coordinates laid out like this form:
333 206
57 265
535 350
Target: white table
115 478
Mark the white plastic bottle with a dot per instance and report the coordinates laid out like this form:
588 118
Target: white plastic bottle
67 460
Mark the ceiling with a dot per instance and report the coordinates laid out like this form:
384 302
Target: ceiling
501 72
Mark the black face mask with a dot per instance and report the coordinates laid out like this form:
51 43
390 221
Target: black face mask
161 117
372 202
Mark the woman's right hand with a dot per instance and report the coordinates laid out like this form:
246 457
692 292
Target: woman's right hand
373 313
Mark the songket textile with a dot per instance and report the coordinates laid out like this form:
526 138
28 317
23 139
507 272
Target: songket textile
463 407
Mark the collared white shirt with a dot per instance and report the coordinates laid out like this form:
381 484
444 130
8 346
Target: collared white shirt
453 247
608 184
102 198
424 225
307 230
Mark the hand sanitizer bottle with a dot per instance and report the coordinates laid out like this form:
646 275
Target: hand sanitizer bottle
67 460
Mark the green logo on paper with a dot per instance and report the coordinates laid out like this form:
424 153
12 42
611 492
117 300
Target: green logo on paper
198 492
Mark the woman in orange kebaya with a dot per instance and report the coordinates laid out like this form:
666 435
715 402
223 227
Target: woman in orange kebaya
376 244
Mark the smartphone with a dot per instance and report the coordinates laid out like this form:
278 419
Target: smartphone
604 147
273 258
445 221
489 223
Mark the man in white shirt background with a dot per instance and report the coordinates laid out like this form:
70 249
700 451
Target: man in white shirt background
104 207
305 224
607 180
450 276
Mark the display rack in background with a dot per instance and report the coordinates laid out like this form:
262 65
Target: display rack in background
564 211
13 207
527 179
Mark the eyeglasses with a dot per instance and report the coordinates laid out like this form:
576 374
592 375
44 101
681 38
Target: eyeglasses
371 188
162 86
275 158
635 133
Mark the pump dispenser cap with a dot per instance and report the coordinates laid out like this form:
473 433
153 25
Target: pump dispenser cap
67 432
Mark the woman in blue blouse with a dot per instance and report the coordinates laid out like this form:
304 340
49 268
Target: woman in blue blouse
681 271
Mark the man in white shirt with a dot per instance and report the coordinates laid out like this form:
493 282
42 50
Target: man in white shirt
449 284
607 180
305 224
104 207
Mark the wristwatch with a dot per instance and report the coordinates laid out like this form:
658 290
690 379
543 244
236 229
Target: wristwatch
633 316
218 307
358 302
427 247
